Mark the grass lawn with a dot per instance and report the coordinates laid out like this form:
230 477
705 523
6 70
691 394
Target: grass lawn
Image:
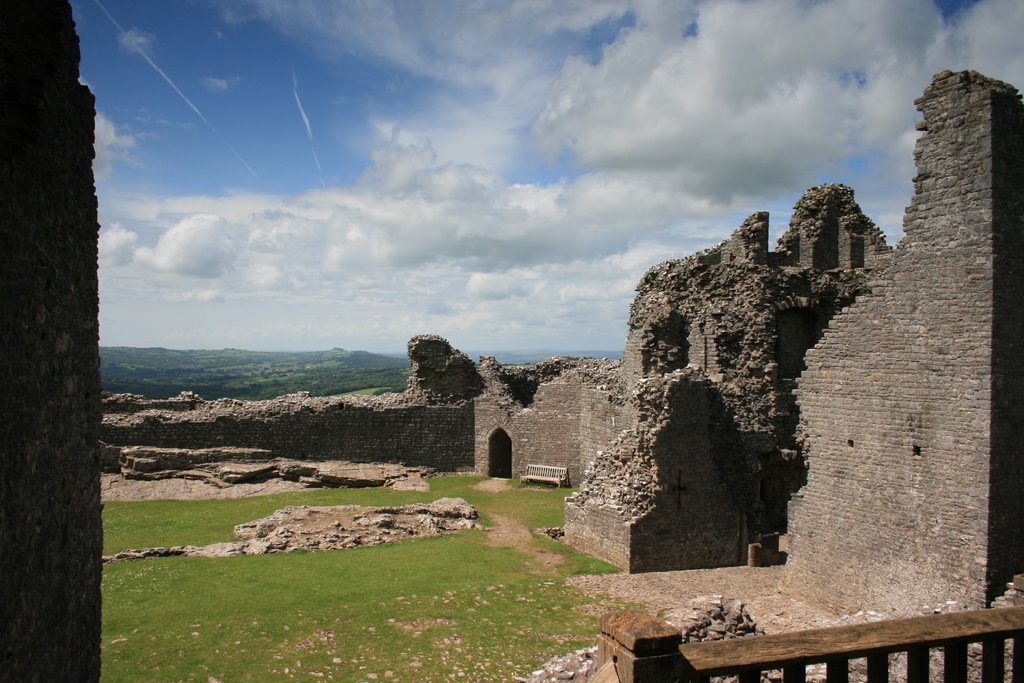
431 609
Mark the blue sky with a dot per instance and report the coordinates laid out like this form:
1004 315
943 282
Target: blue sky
500 173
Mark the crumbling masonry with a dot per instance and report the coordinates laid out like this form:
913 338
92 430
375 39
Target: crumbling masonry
859 401
716 342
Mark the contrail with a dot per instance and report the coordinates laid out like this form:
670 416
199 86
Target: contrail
167 78
309 130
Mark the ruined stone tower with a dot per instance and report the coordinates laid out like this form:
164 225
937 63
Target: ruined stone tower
912 405
50 534
716 341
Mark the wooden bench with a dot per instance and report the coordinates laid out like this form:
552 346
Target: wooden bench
547 474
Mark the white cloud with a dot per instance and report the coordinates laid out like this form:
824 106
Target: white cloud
117 246
987 39
496 286
197 295
488 64
136 40
217 85
110 147
748 105
414 247
694 116
197 246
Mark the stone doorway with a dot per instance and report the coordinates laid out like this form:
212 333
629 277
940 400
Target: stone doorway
499 454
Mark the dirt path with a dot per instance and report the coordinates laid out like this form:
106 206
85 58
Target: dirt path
492 485
506 532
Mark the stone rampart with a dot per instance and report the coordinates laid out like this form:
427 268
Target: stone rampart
377 429
454 416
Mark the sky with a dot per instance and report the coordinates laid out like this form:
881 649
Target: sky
304 174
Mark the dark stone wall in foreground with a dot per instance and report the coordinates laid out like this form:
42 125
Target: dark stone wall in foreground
50 533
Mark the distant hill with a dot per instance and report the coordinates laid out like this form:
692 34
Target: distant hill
234 373
526 357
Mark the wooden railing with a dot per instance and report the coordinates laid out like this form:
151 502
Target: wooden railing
636 648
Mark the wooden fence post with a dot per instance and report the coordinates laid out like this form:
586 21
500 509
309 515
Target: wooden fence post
643 649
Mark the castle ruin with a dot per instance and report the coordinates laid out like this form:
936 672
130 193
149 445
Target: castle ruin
854 399
864 400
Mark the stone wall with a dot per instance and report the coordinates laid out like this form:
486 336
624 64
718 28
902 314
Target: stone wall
50 534
828 231
910 404
1006 507
741 318
549 430
746 316
602 419
661 498
559 412
375 429
439 372
454 416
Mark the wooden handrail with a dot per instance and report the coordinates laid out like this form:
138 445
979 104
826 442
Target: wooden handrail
643 649
847 642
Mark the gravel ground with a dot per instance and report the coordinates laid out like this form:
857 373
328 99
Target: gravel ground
682 596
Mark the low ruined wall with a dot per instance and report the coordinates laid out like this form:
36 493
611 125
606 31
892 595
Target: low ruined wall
134 403
600 532
50 533
439 436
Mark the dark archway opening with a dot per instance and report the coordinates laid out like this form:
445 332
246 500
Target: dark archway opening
499 455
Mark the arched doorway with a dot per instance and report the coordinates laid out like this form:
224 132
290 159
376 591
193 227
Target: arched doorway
499 454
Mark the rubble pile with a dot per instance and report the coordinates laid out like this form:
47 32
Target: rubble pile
722 622
555 532
577 667
337 527
623 479
227 466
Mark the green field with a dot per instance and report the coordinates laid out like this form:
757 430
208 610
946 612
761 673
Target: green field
233 373
431 609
